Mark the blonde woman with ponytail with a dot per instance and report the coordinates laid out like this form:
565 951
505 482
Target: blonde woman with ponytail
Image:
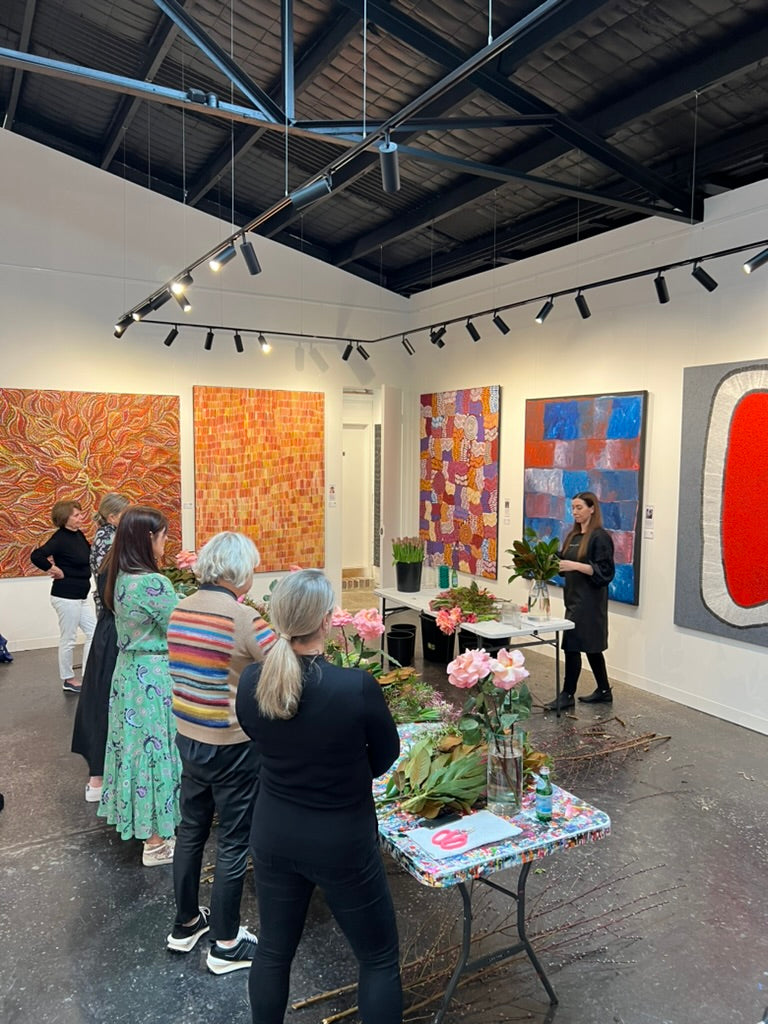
323 733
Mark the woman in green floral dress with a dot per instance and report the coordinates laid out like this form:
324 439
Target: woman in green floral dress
142 769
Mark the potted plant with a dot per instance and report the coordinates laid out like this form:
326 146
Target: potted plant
407 558
538 561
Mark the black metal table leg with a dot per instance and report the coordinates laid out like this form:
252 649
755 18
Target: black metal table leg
557 673
461 963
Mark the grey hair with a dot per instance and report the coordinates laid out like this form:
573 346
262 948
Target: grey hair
298 605
111 505
230 557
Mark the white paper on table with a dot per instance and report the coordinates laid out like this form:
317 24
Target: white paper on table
479 829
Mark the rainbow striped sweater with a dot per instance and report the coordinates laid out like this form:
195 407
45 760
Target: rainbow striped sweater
211 639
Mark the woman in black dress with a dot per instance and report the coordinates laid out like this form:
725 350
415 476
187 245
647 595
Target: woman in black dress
322 734
586 564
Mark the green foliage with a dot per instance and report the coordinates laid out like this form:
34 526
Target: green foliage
407 549
472 600
183 581
410 699
440 773
534 559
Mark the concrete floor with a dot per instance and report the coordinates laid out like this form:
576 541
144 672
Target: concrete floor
665 921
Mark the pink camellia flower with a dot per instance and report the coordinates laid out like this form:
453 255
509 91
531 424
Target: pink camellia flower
186 559
341 618
507 669
368 624
469 668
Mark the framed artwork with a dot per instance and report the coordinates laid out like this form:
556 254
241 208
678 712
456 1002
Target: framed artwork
74 444
721 583
589 443
459 489
260 470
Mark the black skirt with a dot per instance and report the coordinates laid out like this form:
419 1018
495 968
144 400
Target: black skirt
89 736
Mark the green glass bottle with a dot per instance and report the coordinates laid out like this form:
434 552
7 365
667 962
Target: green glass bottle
544 795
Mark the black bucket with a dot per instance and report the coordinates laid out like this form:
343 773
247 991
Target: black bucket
471 642
435 645
401 643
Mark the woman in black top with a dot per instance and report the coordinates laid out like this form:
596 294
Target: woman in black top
65 557
586 563
323 733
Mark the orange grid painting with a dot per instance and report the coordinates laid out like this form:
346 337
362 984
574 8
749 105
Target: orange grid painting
82 445
260 469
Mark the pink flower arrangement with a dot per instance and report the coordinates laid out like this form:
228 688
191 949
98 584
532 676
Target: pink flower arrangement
186 559
500 695
355 633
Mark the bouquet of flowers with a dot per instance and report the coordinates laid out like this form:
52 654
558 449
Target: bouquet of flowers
499 698
349 646
407 549
463 604
183 579
410 699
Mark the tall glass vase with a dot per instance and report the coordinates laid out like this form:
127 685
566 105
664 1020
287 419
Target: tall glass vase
538 602
505 773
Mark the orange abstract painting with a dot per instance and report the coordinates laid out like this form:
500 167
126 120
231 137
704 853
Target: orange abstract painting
81 445
260 469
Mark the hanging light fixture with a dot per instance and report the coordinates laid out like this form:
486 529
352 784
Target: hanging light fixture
183 301
311 193
408 346
436 336
181 284
208 340
545 310
172 336
499 323
705 280
265 346
222 257
348 351
390 168
756 262
250 257
142 311
583 306
472 331
161 298
123 324
238 342
662 292
362 352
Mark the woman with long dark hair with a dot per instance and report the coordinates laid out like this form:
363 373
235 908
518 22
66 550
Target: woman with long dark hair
587 566
322 733
142 770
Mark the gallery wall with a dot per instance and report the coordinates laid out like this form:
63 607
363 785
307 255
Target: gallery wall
79 247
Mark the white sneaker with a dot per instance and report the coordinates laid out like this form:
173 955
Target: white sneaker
92 794
160 854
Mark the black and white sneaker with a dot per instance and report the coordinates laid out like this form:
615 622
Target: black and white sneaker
183 938
222 960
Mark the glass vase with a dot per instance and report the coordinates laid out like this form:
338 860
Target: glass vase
538 602
505 773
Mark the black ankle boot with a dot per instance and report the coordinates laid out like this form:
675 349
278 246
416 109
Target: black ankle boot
564 701
598 697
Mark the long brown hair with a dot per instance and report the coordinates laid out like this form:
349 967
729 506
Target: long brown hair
132 547
595 521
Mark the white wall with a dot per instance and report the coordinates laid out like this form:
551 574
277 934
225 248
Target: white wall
630 343
78 247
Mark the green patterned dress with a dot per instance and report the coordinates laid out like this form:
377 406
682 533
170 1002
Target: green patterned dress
142 770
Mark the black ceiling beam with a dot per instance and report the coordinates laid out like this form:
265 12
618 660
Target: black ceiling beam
316 52
525 238
160 42
570 13
222 60
418 125
18 74
729 57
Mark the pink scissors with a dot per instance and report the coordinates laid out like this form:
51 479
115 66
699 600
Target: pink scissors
450 838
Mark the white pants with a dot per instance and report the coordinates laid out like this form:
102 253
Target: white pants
73 613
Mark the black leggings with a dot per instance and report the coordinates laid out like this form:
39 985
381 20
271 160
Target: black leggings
573 670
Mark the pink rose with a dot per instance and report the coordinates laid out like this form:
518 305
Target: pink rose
446 621
186 559
469 668
368 624
341 618
507 669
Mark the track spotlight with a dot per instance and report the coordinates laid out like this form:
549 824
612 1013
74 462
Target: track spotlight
222 257
408 346
756 262
500 324
705 280
662 292
390 168
238 342
544 312
583 306
251 259
362 352
347 351
142 311
436 336
172 336
265 346
310 193
208 340
183 301
472 331
123 324
161 298
180 285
